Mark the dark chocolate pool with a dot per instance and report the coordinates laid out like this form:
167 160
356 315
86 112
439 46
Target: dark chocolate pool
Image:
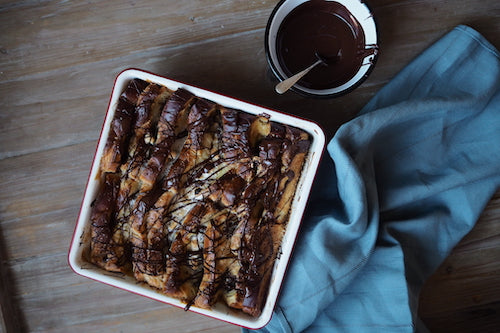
326 30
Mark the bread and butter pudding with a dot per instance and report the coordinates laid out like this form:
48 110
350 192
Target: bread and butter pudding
194 197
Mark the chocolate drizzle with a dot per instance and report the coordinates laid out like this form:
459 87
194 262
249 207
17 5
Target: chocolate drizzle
199 206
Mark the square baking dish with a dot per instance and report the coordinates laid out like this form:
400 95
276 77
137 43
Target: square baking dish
81 238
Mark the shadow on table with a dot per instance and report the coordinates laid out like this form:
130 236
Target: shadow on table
11 318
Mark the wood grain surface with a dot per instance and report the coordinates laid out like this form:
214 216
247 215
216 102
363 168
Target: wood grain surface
58 61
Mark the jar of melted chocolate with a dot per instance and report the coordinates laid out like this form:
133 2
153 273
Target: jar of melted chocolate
299 35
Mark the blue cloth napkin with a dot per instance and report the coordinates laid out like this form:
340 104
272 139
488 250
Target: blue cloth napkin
400 186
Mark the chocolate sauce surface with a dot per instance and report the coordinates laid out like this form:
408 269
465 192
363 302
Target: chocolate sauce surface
321 29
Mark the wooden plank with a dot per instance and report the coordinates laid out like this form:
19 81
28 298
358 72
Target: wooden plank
463 294
44 182
479 318
64 34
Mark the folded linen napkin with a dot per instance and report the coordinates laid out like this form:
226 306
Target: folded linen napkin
402 184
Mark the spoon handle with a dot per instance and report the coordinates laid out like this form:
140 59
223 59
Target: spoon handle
288 83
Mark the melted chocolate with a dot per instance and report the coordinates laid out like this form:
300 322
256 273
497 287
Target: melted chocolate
324 30
166 136
133 90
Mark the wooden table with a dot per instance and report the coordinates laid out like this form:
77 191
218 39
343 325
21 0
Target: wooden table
58 60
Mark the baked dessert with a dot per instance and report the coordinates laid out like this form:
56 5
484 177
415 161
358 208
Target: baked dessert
194 196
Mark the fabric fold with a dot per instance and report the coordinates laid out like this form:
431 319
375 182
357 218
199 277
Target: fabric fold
400 185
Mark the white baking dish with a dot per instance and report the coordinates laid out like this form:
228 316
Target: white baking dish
81 238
